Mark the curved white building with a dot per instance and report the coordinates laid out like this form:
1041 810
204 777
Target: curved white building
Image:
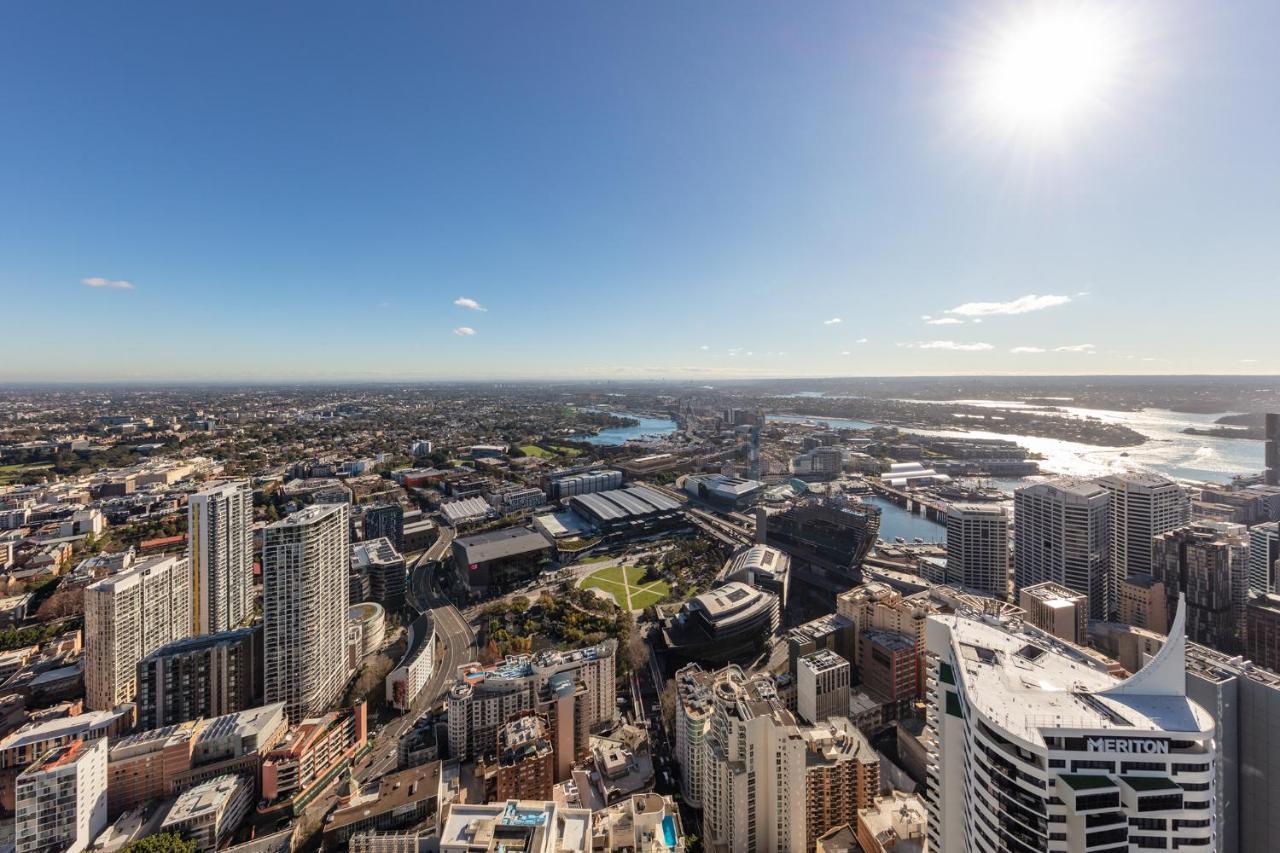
1035 748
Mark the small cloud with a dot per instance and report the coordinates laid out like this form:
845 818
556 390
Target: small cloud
1149 358
1075 348
977 320
832 322
1083 293
860 341
944 321
1027 349
704 347
107 283
467 302
1021 305
1248 360
926 316
846 352
464 331
954 345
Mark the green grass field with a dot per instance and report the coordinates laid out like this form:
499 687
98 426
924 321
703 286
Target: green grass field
535 450
10 473
626 586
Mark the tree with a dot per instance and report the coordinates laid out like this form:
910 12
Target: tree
636 650
165 842
667 704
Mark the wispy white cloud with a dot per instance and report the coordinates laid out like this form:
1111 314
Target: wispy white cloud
846 352
957 346
107 283
832 322
860 341
1021 305
1027 349
704 347
1089 348
1248 360
944 321
468 302
464 331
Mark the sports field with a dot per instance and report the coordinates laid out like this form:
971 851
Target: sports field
626 586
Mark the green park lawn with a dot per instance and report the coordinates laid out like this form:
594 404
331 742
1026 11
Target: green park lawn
535 450
626 585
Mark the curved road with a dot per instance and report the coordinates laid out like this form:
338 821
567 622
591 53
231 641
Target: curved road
455 645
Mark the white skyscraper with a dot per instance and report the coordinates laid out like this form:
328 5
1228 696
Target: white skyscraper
61 799
1264 551
127 617
220 530
1143 505
305 561
1034 746
978 548
1061 534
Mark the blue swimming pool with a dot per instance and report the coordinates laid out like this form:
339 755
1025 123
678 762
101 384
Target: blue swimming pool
669 831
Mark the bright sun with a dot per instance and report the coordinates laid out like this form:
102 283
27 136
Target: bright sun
1050 69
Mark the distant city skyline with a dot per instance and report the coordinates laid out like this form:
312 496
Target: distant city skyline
581 191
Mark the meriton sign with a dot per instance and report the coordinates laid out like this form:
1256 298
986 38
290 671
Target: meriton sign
1143 745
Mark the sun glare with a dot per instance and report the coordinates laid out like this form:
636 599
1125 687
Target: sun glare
1050 69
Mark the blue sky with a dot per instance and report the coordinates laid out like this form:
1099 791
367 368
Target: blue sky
661 189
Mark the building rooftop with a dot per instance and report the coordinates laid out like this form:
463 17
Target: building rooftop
1024 682
307 515
496 544
395 791
821 661
58 727
374 552
898 823
211 795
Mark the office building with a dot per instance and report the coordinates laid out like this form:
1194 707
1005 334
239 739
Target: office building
1262 630
378 561
1033 747
822 686
305 602
526 761
205 676
888 665
1062 535
723 491
62 799
163 762
725 623
1142 603
385 521
128 616
209 812
762 567
978 548
220 535
831 535
1264 553
1143 505
576 690
1244 701
764 781
1057 610
1208 562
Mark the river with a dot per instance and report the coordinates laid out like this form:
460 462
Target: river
647 428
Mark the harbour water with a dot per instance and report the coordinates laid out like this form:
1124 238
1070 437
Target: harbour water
1168 450
896 521
647 428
